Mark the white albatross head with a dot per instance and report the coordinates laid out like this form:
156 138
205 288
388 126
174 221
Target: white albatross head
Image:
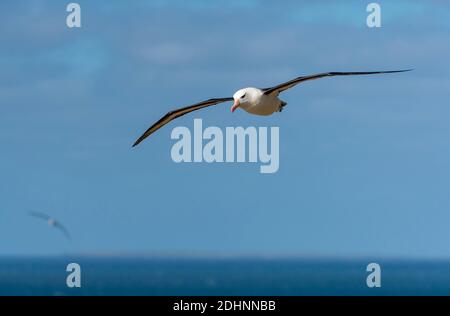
245 98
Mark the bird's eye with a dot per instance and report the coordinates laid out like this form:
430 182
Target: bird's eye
243 96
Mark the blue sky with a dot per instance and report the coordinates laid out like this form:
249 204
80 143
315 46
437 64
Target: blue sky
364 161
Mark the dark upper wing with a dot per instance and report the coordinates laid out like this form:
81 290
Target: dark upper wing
39 215
62 229
289 84
177 113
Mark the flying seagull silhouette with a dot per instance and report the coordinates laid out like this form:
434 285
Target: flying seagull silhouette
51 222
253 100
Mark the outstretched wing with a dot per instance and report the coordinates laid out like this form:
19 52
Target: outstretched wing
289 84
177 113
39 215
62 229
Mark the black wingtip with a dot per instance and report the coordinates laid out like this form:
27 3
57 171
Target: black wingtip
139 140
395 71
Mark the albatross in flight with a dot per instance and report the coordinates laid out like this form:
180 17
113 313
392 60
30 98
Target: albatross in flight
51 222
252 100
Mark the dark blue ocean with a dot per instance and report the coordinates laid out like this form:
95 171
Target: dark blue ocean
229 276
